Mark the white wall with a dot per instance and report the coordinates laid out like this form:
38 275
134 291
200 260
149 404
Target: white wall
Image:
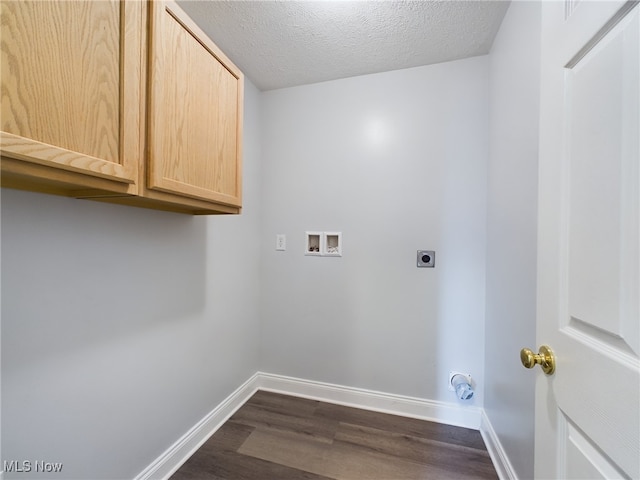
123 327
397 162
511 232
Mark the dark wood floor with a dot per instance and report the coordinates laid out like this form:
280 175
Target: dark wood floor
275 436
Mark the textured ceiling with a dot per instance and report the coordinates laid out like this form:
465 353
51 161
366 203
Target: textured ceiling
286 43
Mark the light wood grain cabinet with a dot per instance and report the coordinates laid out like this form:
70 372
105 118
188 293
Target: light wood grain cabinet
194 115
71 96
126 102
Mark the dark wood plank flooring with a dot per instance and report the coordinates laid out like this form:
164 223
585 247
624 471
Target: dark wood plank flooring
275 436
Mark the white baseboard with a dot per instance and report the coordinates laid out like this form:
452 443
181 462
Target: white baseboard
494 447
431 410
167 463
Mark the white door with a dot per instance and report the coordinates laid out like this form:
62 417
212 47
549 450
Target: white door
588 411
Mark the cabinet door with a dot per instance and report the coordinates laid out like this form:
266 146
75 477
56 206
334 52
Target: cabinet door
71 82
195 111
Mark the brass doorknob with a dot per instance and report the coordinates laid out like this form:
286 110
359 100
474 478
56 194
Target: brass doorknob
545 358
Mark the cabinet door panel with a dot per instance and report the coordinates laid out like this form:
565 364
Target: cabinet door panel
195 112
71 85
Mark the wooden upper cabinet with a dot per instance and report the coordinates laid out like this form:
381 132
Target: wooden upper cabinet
195 111
121 101
71 93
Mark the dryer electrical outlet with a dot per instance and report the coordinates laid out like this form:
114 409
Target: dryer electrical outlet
426 258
